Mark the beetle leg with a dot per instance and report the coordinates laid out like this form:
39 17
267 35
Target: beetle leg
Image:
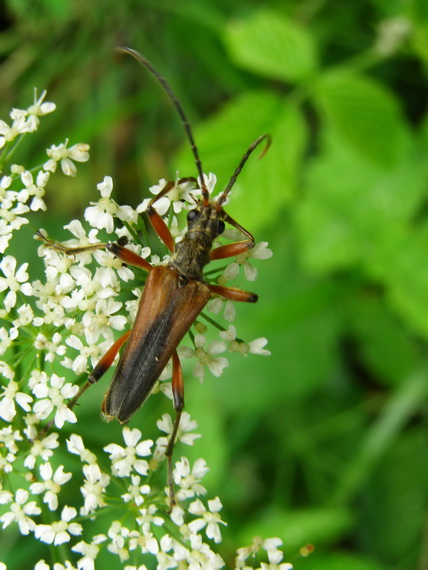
102 367
233 294
123 253
156 220
128 256
178 394
73 250
160 228
231 249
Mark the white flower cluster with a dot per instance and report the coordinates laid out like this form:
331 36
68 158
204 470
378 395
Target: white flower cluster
22 190
56 328
271 547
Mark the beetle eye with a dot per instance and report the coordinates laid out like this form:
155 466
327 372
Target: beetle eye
221 226
192 215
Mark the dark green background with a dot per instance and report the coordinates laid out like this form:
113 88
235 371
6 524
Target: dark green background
324 442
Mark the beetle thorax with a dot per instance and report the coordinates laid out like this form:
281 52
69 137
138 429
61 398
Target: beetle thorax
192 253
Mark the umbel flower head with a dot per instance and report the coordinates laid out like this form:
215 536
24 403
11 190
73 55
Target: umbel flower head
54 482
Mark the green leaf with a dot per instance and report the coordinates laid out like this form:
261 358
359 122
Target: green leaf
384 346
223 138
354 211
264 185
403 490
408 278
272 179
407 400
301 317
365 113
271 45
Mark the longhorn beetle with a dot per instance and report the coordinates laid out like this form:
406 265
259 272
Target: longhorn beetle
174 294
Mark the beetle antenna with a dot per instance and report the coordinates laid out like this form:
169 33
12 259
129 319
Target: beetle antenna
251 148
174 100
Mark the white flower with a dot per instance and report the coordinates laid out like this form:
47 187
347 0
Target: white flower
20 511
200 556
5 182
9 437
189 481
34 189
51 484
187 425
5 370
7 133
38 109
257 346
13 280
270 545
76 446
166 560
41 565
145 542
259 251
148 518
274 555
231 272
236 345
99 322
59 531
125 459
42 448
101 214
206 356
93 488
79 364
217 304
51 347
53 398
5 342
211 519
6 462
8 398
25 317
89 551
76 228
181 196
136 491
275 565
24 120
117 535
78 152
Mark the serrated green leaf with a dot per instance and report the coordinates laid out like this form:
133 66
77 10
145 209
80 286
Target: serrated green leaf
365 113
272 45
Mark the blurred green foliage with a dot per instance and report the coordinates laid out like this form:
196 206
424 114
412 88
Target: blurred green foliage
324 442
